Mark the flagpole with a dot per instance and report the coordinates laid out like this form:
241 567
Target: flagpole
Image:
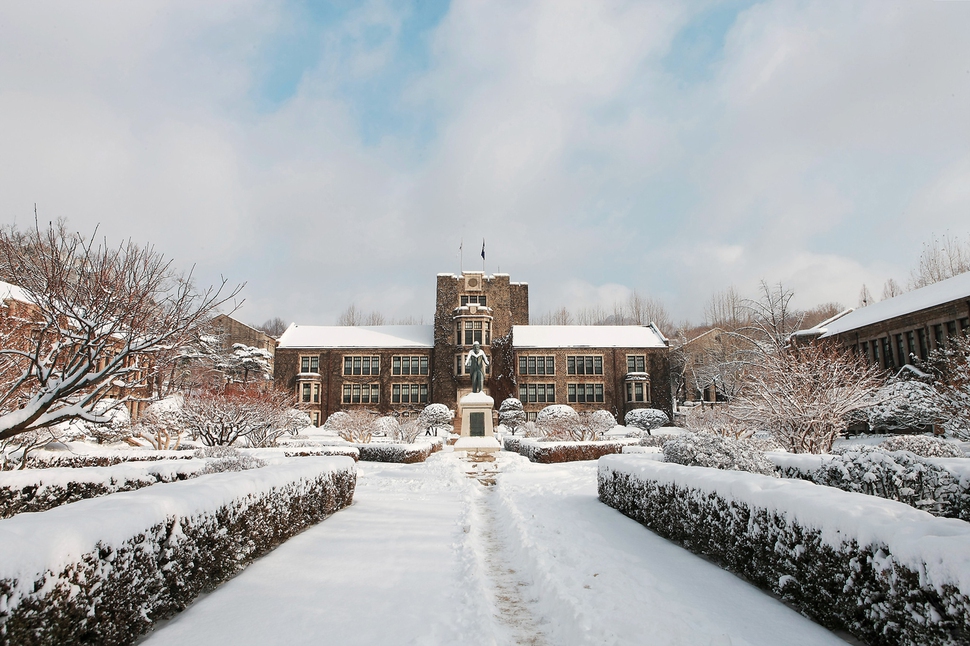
483 258
461 255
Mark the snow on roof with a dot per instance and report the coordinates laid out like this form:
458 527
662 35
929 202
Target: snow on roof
586 336
13 292
351 336
952 289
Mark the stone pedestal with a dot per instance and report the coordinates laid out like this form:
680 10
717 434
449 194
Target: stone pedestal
476 424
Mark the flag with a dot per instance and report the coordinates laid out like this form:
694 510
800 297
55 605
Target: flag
483 248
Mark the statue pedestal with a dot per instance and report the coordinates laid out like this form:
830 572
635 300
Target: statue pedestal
476 424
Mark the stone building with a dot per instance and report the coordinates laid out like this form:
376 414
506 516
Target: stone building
892 332
233 331
399 369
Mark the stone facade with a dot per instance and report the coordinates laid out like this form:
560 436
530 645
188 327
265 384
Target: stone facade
469 307
234 331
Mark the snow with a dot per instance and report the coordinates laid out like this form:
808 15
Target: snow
63 476
586 336
940 547
945 291
481 443
9 291
36 542
350 336
428 556
477 398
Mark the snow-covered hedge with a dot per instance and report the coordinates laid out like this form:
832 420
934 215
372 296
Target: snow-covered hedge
399 453
103 571
43 489
512 443
894 475
923 446
552 452
709 450
886 572
306 452
47 459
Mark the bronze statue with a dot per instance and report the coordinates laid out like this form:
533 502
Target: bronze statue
475 365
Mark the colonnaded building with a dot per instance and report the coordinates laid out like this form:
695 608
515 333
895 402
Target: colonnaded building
400 369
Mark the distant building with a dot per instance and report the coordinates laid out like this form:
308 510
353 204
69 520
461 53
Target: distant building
399 369
234 331
892 332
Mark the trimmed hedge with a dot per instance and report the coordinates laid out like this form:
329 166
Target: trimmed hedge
396 453
103 571
46 460
326 451
36 490
512 443
555 452
882 571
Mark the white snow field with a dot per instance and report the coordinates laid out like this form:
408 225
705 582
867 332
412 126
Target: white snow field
428 555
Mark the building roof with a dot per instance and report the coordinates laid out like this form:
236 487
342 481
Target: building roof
13 292
945 291
357 336
587 336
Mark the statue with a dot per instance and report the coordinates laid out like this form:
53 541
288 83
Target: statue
476 364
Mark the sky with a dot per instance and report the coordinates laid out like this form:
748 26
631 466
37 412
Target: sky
335 153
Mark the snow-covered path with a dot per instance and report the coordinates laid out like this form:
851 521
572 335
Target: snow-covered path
427 555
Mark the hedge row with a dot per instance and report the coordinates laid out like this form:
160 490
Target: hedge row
397 453
103 571
930 484
554 452
49 459
885 572
34 490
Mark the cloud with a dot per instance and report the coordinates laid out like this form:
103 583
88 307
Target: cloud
822 142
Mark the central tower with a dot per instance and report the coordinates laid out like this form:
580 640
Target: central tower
475 307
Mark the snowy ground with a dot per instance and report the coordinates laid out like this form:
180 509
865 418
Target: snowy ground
429 555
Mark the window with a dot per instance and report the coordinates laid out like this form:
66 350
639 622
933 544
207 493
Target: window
537 393
480 331
362 394
309 392
921 337
357 365
938 335
636 363
584 365
310 363
637 391
900 350
875 351
951 328
864 349
417 365
887 353
472 299
316 419
964 325
409 393
584 393
545 365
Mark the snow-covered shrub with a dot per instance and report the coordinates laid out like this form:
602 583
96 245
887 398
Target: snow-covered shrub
894 475
161 424
226 458
511 443
436 417
322 451
222 417
42 489
561 423
47 460
883 572
554 452
396 453
355 426
116 429
511 414
950 366
386 426
154 551
923 446
646 419
903 405
409 431
709 450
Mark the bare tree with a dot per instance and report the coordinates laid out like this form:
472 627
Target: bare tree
821 313
891 289
351 316
275 327
865 297
804 396
355 426
941 259
646 310
103 315
374 318
222 417
772 318
726 310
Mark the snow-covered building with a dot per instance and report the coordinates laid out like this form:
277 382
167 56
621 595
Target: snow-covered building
402 368
891 332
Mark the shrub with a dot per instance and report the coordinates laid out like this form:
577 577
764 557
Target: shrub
409 431
386 426
646 419
396 453
883 572
226 458
511 415
354 426
153 551
709 450
555 452
161 424
718 420
436 417
903 405
923 446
